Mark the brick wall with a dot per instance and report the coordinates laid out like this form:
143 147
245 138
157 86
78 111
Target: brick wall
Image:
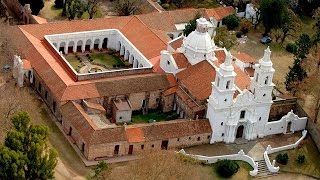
281 108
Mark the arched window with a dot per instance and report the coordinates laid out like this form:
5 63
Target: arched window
218 82
228 85
257 77
266 80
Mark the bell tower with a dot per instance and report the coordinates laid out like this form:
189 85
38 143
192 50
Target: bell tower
261 84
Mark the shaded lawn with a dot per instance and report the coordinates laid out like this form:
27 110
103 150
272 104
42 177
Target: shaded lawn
153 115
243 172
106 59
196 4
74 62
311 166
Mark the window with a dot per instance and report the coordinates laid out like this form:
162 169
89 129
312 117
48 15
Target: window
218 82
228 85
208 137
46 95
257 77
82 147
225 100
168 62
259 118
120 117
198 139
189 138
221 123
39 87
222 135
242 114
157 99
142 146
178 139
266 80
264 95
54 106
152 145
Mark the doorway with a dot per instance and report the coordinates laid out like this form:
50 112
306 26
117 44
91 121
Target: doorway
289 127
130 150
164 145
240 131
116 150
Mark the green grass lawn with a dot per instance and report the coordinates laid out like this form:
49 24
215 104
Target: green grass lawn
106 59
196 4
311 166
243 172
74 62
154 115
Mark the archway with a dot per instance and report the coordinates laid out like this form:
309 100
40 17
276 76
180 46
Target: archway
61 47
105 43
88 44
289 127
96 44
70 46
240 131
79 46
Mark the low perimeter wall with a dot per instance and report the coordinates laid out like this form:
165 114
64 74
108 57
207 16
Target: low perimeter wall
239 156
271 150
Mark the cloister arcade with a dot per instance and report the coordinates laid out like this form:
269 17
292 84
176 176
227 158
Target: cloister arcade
99 41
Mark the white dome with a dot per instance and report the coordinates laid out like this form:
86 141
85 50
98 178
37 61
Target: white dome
198 45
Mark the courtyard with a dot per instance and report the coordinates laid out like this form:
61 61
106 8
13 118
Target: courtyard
96 62
153 116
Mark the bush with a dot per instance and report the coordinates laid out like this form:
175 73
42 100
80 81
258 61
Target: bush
165 6
301 158
245 26
227 168
291 48
282 158
231 22
239 34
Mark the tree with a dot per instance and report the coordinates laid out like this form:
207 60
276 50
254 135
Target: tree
192 25
25 153
273 14
75 8
245 26
282 158
35 5
59 3
126 7
306 7
303 44
101 171
178 3
93 7
291 24
231 21
295 75
3 11
227 168
224 39
300 159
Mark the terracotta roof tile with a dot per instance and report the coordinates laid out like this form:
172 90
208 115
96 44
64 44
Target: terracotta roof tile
177 43
26 64
168 130
220 12
244 57
220 55
170 91
242 80
249 71
197 79
156 64
95 106
181 60
122 104
135 135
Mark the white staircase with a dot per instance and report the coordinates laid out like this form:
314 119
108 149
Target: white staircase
263 170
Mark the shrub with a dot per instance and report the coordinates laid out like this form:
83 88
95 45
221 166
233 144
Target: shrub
58 3
165 6
282 158
245 26
239 34
301 158
227 168
291 48
231 22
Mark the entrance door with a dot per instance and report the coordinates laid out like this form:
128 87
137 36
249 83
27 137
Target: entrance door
289 127
130 150
164 145
70 131
240 132
116 150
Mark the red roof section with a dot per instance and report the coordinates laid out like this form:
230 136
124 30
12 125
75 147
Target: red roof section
244 57
220 12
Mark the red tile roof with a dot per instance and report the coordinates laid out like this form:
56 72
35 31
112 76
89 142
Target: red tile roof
181 60
135 135
220 12
177 43
95 106
244 57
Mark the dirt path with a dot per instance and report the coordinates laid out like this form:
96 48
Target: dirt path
50 13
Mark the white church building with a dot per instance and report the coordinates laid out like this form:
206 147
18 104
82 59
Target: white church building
233 111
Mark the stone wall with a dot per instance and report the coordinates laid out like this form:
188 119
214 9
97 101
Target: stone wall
16 8
282 107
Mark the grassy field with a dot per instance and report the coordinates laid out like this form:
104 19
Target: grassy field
310 167
74 62
108 60
196 4
153 115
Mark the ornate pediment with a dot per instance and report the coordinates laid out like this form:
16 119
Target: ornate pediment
245 98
